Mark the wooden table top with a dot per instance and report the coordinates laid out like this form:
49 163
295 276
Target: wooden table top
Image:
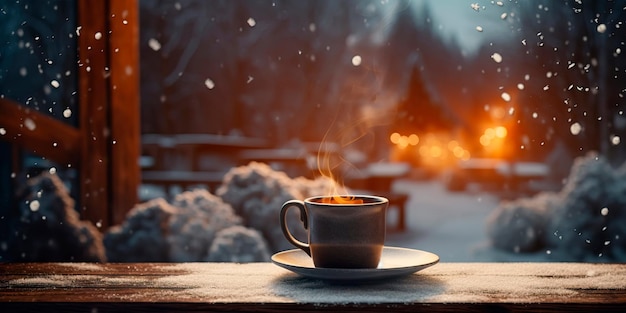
218 287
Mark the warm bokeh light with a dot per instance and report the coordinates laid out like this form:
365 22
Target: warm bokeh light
485 140
432 150
501 132
395 138
490 133
403 142
435 151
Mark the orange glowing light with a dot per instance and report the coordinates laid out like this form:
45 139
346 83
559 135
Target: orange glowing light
490 133
501 131
423 150
414 139
435 151
458 152
485 140
404 142
395 138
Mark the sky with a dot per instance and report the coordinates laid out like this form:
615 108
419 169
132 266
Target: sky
460 18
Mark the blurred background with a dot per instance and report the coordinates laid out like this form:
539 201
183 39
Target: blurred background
461 112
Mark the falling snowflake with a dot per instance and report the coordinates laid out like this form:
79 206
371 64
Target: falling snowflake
209 83
34 205
601 28
30 124
67 113
496 57
506 96
475 6
356 60
575 128
251 22
154 44
615 140
479 29
604 211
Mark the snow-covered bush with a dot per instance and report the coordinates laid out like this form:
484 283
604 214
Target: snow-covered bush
199 217
182 231
238 244
585 221
48 228
257 193
590 225
519 226
141 237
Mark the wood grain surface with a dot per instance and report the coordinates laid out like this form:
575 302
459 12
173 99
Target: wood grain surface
264 287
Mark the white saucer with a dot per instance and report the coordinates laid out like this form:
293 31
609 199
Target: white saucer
394 262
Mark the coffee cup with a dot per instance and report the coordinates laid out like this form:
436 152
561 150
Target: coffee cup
342 231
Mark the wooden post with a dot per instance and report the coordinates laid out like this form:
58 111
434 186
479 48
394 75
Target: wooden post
94 107
124 92
109 113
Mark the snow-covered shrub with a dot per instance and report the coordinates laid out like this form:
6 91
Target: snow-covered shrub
590 225
141 237
199 217
519 226
238 244
257 193
585 221
183 231
48 228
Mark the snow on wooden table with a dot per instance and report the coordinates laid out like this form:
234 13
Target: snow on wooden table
265 287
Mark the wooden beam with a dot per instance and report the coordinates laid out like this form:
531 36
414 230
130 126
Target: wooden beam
39 133
124 92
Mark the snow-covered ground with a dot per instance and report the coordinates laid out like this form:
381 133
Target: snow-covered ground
450 224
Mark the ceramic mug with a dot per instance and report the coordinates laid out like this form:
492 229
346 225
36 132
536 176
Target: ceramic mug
343 231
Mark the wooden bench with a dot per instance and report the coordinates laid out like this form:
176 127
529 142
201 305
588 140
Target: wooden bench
397 202
184 179
264 287
377 179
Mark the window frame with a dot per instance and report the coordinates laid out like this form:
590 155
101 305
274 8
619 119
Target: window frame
105 146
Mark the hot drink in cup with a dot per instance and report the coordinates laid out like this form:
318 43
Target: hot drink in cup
343 231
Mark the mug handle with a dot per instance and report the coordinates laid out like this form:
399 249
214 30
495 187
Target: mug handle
303 217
